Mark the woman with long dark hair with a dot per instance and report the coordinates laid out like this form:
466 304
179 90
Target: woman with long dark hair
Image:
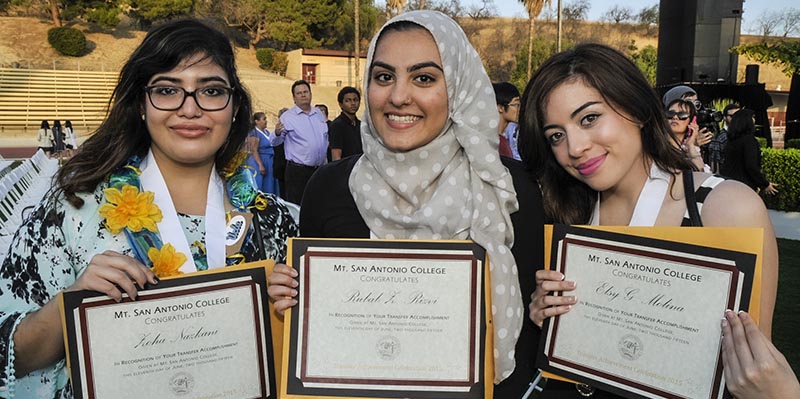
744 154
44 138
146 196
594 132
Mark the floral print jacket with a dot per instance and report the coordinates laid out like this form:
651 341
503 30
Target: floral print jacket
54 245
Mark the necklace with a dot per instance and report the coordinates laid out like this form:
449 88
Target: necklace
139 214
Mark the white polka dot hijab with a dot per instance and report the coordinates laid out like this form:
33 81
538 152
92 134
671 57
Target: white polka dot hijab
455 187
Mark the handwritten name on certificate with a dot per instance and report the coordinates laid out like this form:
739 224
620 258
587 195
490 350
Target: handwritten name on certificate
647 322
177 340
391 319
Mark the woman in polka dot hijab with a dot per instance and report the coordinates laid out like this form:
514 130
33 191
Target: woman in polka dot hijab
452 186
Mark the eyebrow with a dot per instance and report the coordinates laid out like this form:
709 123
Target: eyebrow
412 68
576 112
201 80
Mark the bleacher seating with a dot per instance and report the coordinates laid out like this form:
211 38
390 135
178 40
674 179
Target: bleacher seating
22 185
28 96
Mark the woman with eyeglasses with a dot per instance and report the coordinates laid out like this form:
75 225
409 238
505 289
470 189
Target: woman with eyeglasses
149 195
681 116
594 132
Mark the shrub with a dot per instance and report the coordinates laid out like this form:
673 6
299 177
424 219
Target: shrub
793 143
762 142
782 167
68 41
264 57
280 61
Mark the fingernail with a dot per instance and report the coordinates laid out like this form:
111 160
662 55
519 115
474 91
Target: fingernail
728 313
156 280
574 299
572 284
724 322
294 272
563 277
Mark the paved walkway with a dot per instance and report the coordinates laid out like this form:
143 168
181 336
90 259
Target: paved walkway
787 224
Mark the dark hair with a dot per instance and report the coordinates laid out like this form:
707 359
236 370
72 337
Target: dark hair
741 124
730 107
345 91
625 89
56 124
504 92
123 133
68 124
258 115
45 125
323 108
300 82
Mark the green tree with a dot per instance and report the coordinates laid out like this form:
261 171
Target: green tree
103 13
342 30
293 24
534 8
542 50
785 54
646 59
149 11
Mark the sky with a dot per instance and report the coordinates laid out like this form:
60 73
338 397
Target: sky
752 8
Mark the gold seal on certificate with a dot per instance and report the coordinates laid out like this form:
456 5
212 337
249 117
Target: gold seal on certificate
199 335
647 322
382 319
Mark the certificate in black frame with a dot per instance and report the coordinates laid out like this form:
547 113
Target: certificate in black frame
293 385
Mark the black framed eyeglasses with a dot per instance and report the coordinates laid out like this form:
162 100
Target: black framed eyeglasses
171 98
680 114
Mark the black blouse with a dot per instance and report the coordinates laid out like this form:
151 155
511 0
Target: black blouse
328 211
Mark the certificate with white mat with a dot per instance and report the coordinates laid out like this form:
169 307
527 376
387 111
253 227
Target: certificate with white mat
204 334
647 321
386 319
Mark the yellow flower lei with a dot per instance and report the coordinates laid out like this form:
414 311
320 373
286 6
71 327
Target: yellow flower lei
127 208
166 262
130 208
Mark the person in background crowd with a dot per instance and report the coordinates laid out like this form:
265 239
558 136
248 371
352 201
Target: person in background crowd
279 160
594 132
69 132
164 165
44 138
305 142
431 164
345 132
689 138
507 98
744 154
58 137
324 109
260 143
716 148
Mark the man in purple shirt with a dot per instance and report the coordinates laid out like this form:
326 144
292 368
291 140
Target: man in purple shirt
305 141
